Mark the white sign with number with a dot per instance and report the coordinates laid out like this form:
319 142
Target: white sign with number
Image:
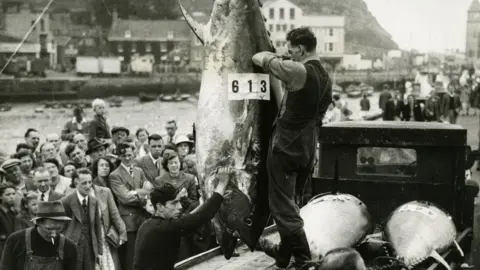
243 86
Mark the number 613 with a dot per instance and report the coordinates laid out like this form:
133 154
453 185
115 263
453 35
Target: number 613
263 87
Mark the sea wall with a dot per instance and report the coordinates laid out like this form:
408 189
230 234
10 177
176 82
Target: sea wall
37 89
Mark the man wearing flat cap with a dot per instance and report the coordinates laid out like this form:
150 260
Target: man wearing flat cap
42 246
119 135
13 177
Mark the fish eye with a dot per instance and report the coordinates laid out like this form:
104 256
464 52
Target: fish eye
248 222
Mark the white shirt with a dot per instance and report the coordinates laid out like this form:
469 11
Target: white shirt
46 195
141 151
80 198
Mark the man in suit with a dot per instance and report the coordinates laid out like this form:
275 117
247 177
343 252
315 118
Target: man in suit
85 227
171 128
43 181
151 163
443 101
131 188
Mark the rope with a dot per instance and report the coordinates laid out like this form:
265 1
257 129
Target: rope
27 34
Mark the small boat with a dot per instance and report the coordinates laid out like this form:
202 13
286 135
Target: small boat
143 97
178 98
39 110
167 98
337 88
354 94
185 96
366 89
115 101
5 107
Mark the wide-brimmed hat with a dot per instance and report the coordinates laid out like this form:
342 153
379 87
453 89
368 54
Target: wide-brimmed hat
118 128
10 163
182 139
51 210
94 144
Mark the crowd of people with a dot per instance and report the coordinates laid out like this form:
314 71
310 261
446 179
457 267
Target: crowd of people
107 170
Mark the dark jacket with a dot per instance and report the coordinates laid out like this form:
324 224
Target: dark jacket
99 128
71 127
14 255
7 224
383 98
417 113
392 110
432 110
158 239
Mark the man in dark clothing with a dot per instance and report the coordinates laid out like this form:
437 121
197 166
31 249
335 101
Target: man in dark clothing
291 154
41 247
77 124
392 108
158 239
384 97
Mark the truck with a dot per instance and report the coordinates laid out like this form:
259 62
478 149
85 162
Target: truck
385 164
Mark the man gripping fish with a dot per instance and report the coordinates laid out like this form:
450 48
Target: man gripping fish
291 153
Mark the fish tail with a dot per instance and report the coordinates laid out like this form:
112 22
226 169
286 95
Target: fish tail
440 259
459 248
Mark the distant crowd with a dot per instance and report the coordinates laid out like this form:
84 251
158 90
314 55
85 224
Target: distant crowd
109 165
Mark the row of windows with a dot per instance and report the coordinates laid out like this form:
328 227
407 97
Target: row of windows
329 46
280 27
148 47
281 13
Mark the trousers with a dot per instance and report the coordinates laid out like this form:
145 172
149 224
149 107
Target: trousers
290 160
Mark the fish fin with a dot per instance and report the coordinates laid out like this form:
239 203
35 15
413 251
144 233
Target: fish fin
196 27
440 259
228 244
459 248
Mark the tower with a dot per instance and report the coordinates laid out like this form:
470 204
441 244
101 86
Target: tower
472 48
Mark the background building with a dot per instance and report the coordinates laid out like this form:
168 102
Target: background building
472 49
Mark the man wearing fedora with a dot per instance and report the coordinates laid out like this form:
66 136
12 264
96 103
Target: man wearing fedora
42 246
96 149
85 227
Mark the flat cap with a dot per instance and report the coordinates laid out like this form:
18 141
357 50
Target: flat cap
10 163
118 128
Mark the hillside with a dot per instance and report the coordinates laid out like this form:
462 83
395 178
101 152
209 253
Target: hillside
363 33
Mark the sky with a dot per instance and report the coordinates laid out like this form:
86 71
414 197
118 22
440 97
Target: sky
425 25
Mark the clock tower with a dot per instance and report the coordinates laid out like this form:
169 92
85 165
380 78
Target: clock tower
472 49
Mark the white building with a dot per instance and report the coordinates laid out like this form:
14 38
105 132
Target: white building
330 33
282 16
355 62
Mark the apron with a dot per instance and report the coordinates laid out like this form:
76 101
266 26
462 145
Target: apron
43 263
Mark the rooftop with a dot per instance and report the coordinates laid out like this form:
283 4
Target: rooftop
474 6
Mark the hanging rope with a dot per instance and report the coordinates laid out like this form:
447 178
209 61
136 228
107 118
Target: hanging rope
27 34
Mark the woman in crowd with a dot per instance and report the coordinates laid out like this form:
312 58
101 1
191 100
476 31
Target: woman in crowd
101 169
183 146
27 164
176 177
27 212
7 212
67 170
412 111
59 182
112 223
142 142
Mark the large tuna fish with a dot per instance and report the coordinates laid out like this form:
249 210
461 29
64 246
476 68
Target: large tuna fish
331 221
233 133
419 230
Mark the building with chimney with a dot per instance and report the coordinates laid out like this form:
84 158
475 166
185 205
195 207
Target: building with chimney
472 49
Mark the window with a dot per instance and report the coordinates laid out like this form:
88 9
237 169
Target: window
278 27
292 14
386 161
119 47
329 47
292 26
284 28
128 34
42 25
32 23
271 13
282 13
169 34
330 32
270 27
89 42
134 47
163 47
148 47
